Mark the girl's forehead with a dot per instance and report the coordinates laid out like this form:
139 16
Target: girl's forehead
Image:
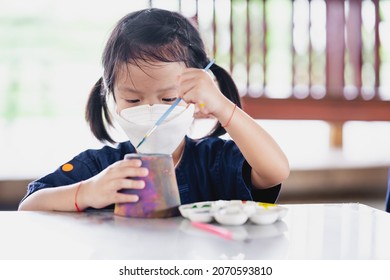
148 76
149 70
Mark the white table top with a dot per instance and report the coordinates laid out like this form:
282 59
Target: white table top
309 231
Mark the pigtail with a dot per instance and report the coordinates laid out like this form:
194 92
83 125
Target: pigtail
97 114
229 89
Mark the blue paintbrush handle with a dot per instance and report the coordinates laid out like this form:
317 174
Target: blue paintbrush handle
165 115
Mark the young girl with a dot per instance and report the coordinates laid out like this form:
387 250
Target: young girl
152 58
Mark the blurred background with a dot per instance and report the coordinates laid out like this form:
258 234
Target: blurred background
315 73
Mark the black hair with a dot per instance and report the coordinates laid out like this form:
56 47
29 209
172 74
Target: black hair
151 35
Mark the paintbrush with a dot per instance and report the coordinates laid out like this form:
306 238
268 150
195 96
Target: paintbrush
165 115
221 231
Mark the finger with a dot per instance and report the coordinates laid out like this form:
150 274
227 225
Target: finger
124 172
196 74
187 93
125 198
125 163
195 82
115 174
127 168
200 115
129 184
130 163
190 79
185 89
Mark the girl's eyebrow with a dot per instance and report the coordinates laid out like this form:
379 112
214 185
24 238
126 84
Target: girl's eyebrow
133 90
168 88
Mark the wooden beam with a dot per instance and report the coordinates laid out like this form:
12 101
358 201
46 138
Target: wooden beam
334 110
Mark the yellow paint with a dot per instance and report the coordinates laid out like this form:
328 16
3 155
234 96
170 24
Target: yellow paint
266 205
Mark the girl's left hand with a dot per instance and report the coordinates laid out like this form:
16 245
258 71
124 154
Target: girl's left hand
198 87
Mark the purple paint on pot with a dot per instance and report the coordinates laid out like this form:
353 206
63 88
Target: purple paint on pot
160 198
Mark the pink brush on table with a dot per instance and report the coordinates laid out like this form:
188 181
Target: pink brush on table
220 231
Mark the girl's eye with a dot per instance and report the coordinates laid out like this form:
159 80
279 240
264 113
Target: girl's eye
132 101
169 99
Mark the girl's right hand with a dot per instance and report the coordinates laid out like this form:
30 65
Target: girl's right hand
103 189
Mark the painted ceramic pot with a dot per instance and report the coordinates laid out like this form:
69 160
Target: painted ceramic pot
160 198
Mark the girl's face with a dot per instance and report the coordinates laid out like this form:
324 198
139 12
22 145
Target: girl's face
147 84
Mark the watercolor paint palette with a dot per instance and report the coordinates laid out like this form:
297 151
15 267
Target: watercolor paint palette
233 212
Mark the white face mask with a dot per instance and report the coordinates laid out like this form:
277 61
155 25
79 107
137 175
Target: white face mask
137 121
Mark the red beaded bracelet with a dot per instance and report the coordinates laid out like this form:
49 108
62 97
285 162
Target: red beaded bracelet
231 116
75 198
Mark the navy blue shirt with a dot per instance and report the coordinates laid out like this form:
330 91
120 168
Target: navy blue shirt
210 169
